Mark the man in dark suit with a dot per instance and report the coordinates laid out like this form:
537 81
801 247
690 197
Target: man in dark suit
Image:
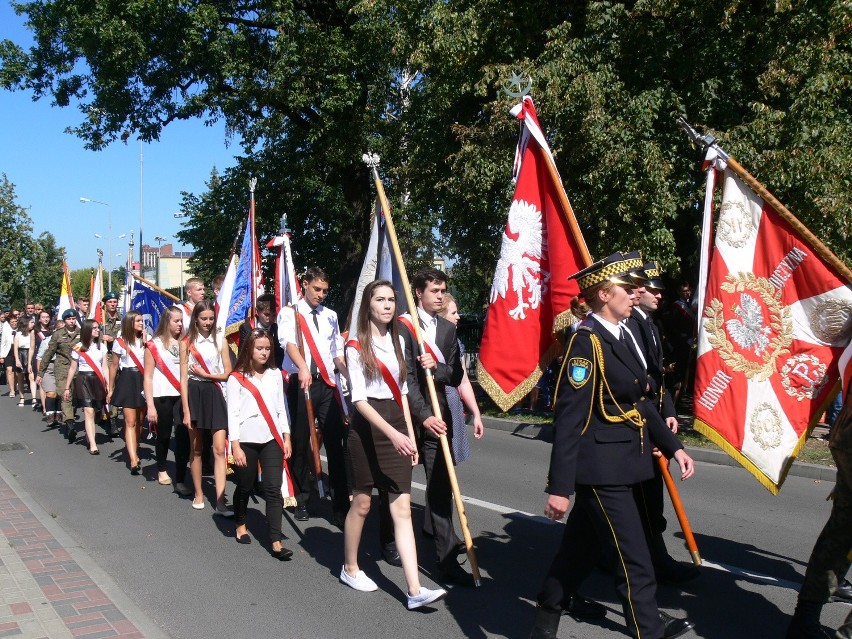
605 428
649 494
442 361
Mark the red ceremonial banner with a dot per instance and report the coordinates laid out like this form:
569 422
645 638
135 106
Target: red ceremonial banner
531 293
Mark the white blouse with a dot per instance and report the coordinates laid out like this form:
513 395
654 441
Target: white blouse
363 388
212 356
245 423
23 341
96 352
162 387
125 361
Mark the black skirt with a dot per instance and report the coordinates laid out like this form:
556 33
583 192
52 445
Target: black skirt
24 357
88 390
207 408
373 459
128 391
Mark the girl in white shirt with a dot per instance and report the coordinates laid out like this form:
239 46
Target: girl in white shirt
24 346
204 364
162 395
91 388
381 445
253 438
128 351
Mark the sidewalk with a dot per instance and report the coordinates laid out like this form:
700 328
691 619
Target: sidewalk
49 587
707 455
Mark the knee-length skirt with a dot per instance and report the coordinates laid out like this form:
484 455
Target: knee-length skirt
373 459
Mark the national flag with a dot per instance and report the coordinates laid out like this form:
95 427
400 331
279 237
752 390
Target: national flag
531 293
378 265
226 293
150 303
66 299
239 306
287 289
775 320
96 295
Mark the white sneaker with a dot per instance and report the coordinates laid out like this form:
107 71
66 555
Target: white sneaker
425 597
359 582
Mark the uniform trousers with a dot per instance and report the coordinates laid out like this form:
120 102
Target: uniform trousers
271 459
67 404
169 417
330 423
829 559
607 515
439 498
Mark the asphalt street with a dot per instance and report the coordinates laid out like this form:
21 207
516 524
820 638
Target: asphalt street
182 568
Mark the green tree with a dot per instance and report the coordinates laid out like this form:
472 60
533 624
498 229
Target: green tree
81 281
16 239
45 273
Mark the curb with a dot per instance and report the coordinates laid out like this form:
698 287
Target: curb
544 432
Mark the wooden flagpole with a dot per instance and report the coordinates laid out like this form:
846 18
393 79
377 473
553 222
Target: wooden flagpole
679 510
372 161
162 291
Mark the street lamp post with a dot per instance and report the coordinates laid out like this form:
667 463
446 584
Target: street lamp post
159 239
86 200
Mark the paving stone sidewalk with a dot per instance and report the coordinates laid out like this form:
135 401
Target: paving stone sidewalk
50 589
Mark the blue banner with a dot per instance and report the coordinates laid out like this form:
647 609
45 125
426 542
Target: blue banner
240 305
150 303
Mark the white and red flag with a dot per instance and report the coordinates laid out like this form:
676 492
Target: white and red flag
66 298
96 294
531 293
776 318
287 289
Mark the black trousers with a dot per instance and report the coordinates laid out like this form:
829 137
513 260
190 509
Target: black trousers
330 423
650 497
607 515
271 459
170 417
439 498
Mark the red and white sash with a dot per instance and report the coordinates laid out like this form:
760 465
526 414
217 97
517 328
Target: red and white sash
130 353
193 350
308 336
387 376
270 422
95 368
161 365
431 347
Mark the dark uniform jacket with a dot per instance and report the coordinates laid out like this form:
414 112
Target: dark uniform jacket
651 343
594 442
449 373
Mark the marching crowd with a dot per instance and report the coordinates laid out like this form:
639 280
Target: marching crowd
296 380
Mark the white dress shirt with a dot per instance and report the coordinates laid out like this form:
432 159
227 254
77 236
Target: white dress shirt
377 388
245 422
327 338
211 354
125 361
6 335
160 386
96 352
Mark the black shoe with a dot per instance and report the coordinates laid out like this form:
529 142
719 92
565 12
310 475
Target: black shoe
843 594
546 624
674 627
301 514
391 555
581 608
449 572
136 470
70 432
676 572
282 555
243 539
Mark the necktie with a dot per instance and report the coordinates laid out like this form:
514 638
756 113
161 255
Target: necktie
314 369
628 342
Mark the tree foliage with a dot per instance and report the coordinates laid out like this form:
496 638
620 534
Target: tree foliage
307 87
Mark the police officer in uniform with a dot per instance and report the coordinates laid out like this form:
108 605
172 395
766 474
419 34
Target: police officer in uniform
605 429
61 344
649 494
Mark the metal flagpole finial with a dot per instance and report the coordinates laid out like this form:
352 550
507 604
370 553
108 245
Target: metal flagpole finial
283 228
371 160
100 254
517 86
252 184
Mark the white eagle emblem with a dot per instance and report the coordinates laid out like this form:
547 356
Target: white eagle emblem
520 259
748 331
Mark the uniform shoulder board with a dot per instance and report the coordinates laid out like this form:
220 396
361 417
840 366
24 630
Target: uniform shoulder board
586 325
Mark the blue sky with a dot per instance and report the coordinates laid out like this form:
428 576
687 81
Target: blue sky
51 171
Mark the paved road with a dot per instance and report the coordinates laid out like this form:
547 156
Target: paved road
183 570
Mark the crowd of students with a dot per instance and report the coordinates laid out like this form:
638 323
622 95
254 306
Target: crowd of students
250 406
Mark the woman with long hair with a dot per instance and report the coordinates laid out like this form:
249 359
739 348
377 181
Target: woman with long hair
23 345
42 331
162 395
259 431
204 365
9 354
128 351
91 388
47 386
381 446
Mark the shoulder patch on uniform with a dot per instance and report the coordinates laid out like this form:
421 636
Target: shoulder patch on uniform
579 371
